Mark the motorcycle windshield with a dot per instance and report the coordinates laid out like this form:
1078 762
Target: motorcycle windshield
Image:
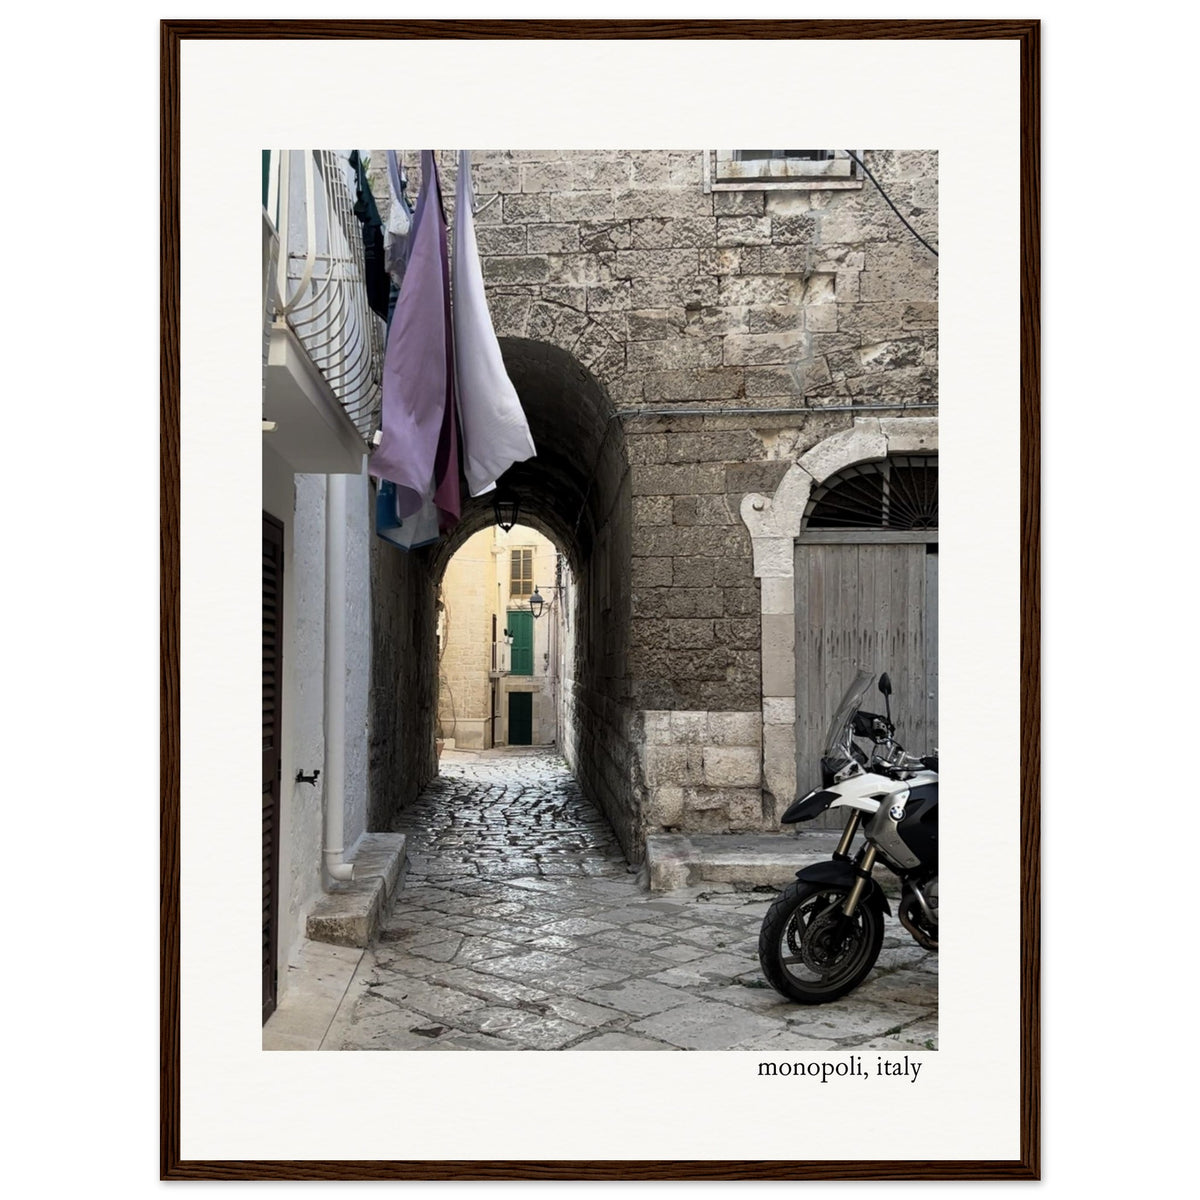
838 750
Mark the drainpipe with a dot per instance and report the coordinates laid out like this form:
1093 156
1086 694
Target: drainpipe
335 678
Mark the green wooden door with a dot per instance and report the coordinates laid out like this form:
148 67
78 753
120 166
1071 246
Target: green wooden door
520 718
520 625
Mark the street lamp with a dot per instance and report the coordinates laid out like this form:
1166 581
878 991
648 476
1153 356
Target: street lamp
536 603
507 507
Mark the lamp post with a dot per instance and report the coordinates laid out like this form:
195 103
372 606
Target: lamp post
536 603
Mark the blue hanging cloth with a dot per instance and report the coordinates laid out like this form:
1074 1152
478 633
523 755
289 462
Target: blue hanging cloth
408 533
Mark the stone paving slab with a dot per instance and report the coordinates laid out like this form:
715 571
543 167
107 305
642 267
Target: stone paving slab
571 953
317 983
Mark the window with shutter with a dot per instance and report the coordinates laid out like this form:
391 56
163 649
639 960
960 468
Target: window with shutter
521 578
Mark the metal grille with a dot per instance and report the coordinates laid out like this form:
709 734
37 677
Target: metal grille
325 285
805 155
897 493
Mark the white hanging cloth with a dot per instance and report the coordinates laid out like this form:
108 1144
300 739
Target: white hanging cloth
495 433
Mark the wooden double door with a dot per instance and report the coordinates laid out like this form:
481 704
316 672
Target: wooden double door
867 601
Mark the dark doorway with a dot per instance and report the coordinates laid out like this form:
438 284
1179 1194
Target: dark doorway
520 718
272 684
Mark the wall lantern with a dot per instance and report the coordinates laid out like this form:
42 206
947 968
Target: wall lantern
507 507
536 604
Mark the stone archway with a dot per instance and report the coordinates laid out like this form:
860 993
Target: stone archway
577 492
774 523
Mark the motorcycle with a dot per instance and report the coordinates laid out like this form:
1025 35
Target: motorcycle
822 935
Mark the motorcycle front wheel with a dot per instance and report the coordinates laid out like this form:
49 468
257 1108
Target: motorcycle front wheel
810 951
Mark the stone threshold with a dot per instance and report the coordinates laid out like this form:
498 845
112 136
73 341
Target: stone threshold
679 860
350 913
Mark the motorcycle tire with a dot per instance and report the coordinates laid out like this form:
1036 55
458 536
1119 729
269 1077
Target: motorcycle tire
809 952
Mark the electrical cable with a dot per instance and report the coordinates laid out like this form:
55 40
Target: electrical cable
867 172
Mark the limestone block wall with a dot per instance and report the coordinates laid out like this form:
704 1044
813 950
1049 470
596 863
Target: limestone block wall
403 679
734 332
701 771
674 295
601 718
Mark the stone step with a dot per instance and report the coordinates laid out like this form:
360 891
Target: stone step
350 913
678 860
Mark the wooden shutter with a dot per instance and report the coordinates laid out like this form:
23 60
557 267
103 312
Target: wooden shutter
272 668
521 572
520 625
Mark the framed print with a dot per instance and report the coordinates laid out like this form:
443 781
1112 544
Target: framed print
611 621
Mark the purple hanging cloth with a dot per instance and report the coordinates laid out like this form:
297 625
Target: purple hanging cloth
418 450
494 430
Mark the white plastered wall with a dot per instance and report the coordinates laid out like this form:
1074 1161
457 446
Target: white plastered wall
298 501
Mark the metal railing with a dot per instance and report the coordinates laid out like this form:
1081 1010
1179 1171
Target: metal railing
501 659
318 288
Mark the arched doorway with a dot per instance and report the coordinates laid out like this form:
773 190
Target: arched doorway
576 492
775 523
505 630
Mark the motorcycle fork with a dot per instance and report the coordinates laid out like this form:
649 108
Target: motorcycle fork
843 847
863 874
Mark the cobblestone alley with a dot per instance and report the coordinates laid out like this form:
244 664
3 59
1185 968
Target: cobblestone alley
521 927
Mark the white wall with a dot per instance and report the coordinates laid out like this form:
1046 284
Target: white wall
299 502
358 655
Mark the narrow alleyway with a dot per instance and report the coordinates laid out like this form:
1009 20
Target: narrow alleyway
521 927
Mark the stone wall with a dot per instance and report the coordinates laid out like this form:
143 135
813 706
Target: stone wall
695 305
733 331
600 714
403 679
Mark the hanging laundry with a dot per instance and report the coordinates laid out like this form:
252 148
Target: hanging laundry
406 532
418 449
494 429
396 240
367 213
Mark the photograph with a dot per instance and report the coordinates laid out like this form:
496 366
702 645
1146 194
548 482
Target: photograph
600 533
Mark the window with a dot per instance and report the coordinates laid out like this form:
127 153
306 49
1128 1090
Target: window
896 493
742 170
521 580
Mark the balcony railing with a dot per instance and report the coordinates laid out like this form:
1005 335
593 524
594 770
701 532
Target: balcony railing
501 659
314 278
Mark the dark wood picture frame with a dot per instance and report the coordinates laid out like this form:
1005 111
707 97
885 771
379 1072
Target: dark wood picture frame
1027 1165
